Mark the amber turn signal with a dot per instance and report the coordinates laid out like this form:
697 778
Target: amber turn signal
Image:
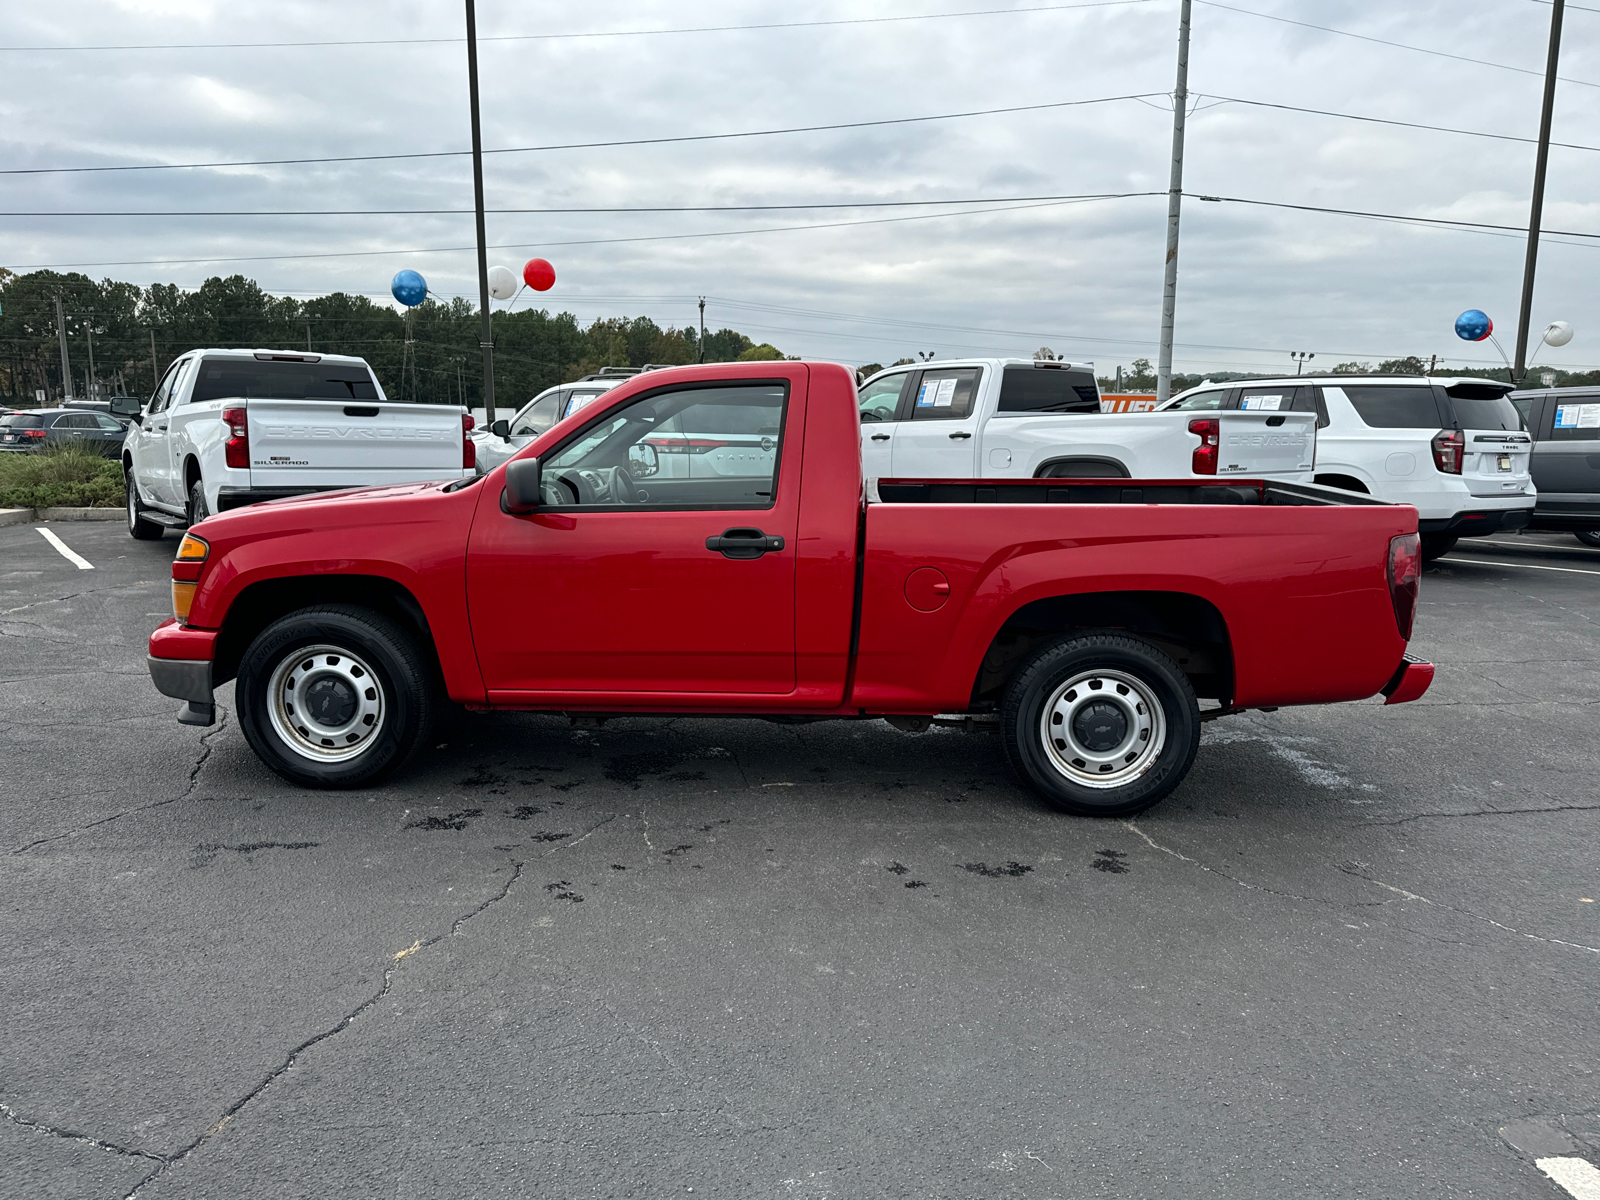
193 549
182 598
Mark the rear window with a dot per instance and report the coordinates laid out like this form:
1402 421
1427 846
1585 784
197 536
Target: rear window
1576 420
1046 389
1488 413
24 421
227 378
1395 407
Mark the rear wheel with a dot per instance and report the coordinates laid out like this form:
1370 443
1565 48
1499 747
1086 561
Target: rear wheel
138 526
1435 545
1589 537
334 696
1101 725
198 509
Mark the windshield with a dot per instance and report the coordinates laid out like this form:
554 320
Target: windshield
230 378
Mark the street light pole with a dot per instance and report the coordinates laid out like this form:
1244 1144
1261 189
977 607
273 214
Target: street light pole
1169 291
1536 211
702 329
66 366
485 324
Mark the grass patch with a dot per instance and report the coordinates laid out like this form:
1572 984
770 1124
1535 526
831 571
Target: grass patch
60 477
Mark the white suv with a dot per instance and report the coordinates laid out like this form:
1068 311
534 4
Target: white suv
1455 448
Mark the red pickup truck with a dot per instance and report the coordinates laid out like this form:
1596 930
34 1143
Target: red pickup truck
697 542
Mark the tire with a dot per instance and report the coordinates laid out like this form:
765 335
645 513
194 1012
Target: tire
138 526
1094 689
198 510
1589 537
1437 545
369 683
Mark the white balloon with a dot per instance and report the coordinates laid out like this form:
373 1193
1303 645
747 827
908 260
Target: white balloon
1557 333
502 283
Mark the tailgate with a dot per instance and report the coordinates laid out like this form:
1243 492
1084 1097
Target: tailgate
1496 463
323 443
1267 443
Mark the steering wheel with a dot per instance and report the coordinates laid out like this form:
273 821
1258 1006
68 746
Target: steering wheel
622 489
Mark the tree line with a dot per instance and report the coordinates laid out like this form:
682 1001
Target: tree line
120 337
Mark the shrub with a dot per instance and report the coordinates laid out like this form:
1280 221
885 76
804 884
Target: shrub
60 477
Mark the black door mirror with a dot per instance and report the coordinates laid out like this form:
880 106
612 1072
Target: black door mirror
124 406
501 429
522 486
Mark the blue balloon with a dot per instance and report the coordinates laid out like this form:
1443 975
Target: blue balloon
1474 325
409 288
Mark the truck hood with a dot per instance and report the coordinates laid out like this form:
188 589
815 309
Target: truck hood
321 508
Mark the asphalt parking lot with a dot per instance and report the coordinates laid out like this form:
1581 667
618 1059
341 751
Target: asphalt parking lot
740 960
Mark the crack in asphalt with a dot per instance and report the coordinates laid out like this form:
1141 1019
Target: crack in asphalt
1401 892
1486 812
70 1135
1253 887
194 779
166 1162
116 587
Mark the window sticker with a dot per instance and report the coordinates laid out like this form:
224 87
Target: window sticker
936 393
1262 403
1578 416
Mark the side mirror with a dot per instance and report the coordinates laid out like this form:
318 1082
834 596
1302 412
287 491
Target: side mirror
522 486
124 406
643 460
501 429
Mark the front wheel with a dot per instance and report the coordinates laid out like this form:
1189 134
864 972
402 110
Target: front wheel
1589 537
1101 725
334 697
138 526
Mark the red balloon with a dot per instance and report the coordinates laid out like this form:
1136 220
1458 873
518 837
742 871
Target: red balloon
539 275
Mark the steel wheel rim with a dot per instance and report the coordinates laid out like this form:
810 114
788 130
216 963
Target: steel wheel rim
1103 729
326 704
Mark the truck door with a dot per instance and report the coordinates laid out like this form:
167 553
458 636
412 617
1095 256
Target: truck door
939 441
152 462
633 579
1567 460
880 407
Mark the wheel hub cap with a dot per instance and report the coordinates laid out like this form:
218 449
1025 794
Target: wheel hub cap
1103 729
325 703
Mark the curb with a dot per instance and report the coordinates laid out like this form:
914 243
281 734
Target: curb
24 516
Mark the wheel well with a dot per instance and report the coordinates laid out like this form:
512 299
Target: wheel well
1347 482
1187 628
1083 466
191 474
262 603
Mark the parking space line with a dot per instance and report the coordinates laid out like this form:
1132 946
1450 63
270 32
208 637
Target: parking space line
1486 562
83 564
1577 1176
1579 549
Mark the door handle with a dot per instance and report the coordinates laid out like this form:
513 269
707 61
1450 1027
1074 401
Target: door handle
743 543
958 436
880 437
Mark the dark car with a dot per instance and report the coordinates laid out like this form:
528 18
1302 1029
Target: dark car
109 407
43 427
1565 426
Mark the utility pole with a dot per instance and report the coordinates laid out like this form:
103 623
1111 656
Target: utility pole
1536 211
485 324
702 329
308 337
1169 290
66 366
94 390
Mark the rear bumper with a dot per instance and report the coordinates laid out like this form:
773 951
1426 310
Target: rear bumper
1409 681
1474 522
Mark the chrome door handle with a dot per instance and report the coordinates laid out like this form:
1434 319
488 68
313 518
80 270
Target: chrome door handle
956 436
880 437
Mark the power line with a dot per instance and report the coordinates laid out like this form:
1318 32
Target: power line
1403 217
603 33
659 141
685 208
1482 62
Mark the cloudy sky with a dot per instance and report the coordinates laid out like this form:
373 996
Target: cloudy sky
854 284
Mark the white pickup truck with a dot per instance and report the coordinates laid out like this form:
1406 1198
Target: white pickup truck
1014 418
226 428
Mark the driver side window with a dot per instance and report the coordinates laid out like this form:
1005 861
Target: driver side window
540 416
880 399
713 447
163 393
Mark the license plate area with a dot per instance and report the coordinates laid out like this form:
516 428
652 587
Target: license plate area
1503 462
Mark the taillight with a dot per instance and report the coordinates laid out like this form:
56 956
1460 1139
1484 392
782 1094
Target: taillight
1405 574
34 433
1209 430
1448 447
236 450
469 451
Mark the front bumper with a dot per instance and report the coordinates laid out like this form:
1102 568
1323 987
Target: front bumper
1410 680
183 669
